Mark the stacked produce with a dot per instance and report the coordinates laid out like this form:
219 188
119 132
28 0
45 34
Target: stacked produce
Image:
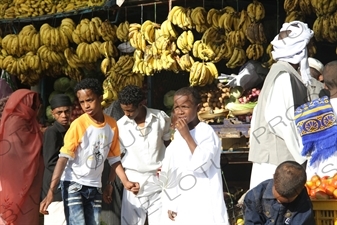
322 187
241 101
34 8
66 86
69 49
213 97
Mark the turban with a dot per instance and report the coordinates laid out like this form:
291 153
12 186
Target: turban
293 48
316 123
316 64
60 100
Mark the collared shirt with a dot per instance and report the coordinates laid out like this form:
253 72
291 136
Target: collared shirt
144 146
52 143
261 207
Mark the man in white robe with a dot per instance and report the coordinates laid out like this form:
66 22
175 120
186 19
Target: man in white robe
274 137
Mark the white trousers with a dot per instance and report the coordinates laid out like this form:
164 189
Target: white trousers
260 173
56 214
134 209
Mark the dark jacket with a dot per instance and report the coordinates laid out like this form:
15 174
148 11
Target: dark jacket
261 207
52 143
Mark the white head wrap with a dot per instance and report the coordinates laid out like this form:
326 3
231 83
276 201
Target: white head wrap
293 48
316 64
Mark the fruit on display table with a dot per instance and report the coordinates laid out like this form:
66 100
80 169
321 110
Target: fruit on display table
322 187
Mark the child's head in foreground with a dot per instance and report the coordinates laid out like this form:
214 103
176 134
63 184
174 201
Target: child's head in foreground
289 181
89 92
186 105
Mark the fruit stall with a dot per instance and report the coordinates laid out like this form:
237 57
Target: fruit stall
160 46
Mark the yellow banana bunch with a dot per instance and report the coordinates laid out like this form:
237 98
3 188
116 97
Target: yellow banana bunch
72 58
180 17
67 27
213 17
14 65
168 31
53 38
254 51
324 7
290 5
29 39
269 53
167 59
124 65
256 11
318 28
33 62
123 31
226 21
238 58
86 31
328 27
202 74
199 19
237 38
106 64
108 49
244 21
213 35
185 62
294 15
156 47
305 6
148 30
185 41
108 31
255 33
89 53
30 78
208 52
10 43
50 57
137 39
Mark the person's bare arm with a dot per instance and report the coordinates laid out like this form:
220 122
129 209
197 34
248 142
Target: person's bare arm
59 168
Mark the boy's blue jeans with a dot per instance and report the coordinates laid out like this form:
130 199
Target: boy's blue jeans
82 204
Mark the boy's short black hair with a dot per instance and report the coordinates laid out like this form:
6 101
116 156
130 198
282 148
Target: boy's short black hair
186 91
131 94
289 179
90 83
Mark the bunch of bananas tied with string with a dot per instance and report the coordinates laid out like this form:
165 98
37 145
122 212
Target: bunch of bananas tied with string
203 73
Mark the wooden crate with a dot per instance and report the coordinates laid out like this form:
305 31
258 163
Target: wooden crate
325 211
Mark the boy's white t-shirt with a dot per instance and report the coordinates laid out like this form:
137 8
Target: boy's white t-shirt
87 145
